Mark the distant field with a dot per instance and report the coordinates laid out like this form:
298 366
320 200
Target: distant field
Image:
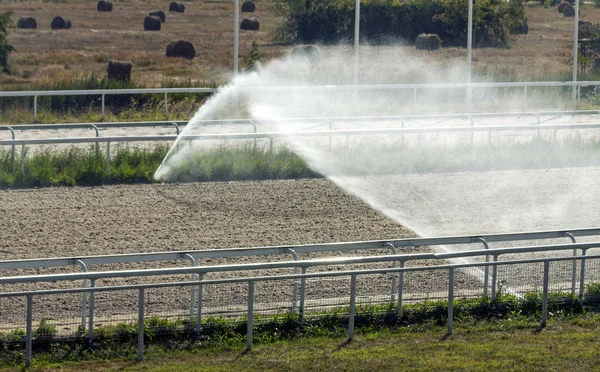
44 55
51 55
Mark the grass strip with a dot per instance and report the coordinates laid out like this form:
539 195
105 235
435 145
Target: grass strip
161 335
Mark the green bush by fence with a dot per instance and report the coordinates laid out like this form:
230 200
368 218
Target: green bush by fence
333 21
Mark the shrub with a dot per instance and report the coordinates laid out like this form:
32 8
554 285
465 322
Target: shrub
331 22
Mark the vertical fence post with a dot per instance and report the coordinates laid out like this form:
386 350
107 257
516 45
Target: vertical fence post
494 279
107 157
450 299
352 307
91 318
140 340
23 159
192 288
302 291
29 331
103 107
582 277
35 109
199 313
250 314
166 107
400 289
573 263
84 296
394 275
12 151
295 284
545 294
525 95
486 269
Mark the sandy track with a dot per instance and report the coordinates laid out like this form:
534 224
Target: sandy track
80 221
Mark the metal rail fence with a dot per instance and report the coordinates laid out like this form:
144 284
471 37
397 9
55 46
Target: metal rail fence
197 257
271 136
324 88
351 300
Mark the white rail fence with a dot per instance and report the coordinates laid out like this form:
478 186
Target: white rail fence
197 257
271 136
415 88
546 282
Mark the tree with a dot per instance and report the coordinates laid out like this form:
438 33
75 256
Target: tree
5 47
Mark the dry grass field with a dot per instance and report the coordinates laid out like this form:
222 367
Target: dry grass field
46 55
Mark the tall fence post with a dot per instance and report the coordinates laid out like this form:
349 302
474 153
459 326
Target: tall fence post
199 313
103 107
486 269
29 331
400 289
166 107
295 284
35 109
574 264
22 159
84 296
302 291
91 318
545 294
394 275
192 289
450 300
494 278
140 340
107 157
352 307
250 314
12 148
582 277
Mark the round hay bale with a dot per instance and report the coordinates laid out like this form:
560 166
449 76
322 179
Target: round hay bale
569 11
562 6
181 48
250 24
152 23
248 7
104 6
176 7
60 23
160 14
26 22
119 70
428 42
309 52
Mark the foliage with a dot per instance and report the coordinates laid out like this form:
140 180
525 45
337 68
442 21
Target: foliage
218 332
382 20
252 59
5 47
78 166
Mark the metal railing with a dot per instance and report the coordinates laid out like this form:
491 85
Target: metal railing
327 88
194 257
251 281
274 135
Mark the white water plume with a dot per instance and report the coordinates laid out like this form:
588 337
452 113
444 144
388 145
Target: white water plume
437 183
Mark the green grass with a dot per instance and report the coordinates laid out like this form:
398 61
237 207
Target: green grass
77 166
497 332
367 156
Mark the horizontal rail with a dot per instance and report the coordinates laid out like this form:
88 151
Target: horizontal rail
297 276
99 125
285 249
242 136
290 264
93 92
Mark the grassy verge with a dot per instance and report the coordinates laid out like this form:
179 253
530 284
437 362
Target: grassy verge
173 337
79 166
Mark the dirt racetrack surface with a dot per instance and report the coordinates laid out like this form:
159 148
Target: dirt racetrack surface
80 221
56 222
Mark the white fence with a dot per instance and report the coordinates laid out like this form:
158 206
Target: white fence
415 88
549 280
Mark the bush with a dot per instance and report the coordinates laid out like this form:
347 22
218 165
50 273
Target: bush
332 22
